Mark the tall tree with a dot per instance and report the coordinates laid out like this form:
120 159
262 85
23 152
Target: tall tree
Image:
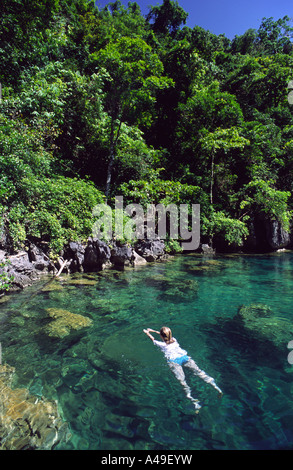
167 18
220 140
275 36
135 74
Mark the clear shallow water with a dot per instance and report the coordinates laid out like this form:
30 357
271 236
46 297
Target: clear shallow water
114 387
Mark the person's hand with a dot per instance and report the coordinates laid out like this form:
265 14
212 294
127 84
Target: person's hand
154 331
146 331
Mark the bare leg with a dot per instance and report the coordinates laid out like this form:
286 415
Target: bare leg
179 374
200 373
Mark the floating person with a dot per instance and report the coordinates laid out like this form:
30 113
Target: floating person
177 358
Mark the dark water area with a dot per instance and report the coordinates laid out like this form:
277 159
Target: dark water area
115 388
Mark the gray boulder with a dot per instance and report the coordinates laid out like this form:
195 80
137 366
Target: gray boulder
151 250
121 255
96 256
276 236
25 267
266 235
75 253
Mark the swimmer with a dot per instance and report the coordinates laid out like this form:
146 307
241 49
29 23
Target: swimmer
177 358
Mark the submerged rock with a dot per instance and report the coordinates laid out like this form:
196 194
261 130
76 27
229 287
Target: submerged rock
82 282
64 322
173 289
205 267
180 290
26 422
260 321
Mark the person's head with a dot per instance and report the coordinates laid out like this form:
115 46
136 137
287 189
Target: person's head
166 334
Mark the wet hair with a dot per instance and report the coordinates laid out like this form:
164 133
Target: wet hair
166 334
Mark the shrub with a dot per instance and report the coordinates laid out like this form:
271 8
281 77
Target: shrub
55 210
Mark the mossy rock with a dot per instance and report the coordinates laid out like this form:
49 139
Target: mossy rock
254 311
209 267
82 282
261 322
52 286
64 322
27 422
180 290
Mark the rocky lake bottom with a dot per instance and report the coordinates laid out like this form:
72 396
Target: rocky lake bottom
77 343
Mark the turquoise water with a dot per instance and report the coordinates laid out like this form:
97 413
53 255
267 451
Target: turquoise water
113 385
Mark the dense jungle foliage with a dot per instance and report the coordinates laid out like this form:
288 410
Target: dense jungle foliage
97 103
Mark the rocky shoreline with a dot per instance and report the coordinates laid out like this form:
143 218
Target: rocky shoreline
29 265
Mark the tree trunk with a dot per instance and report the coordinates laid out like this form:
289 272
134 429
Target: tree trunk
109 171
212 177
113 143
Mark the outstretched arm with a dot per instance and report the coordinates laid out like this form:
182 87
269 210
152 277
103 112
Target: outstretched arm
147 332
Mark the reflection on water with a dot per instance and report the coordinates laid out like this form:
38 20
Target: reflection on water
114 387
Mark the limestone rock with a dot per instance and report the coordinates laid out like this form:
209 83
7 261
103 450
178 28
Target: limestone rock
124 255
75 252
151 250
277 237
138 260
25 267
206 249
121 255
97 254
25 421
64 322
266 235
262 324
